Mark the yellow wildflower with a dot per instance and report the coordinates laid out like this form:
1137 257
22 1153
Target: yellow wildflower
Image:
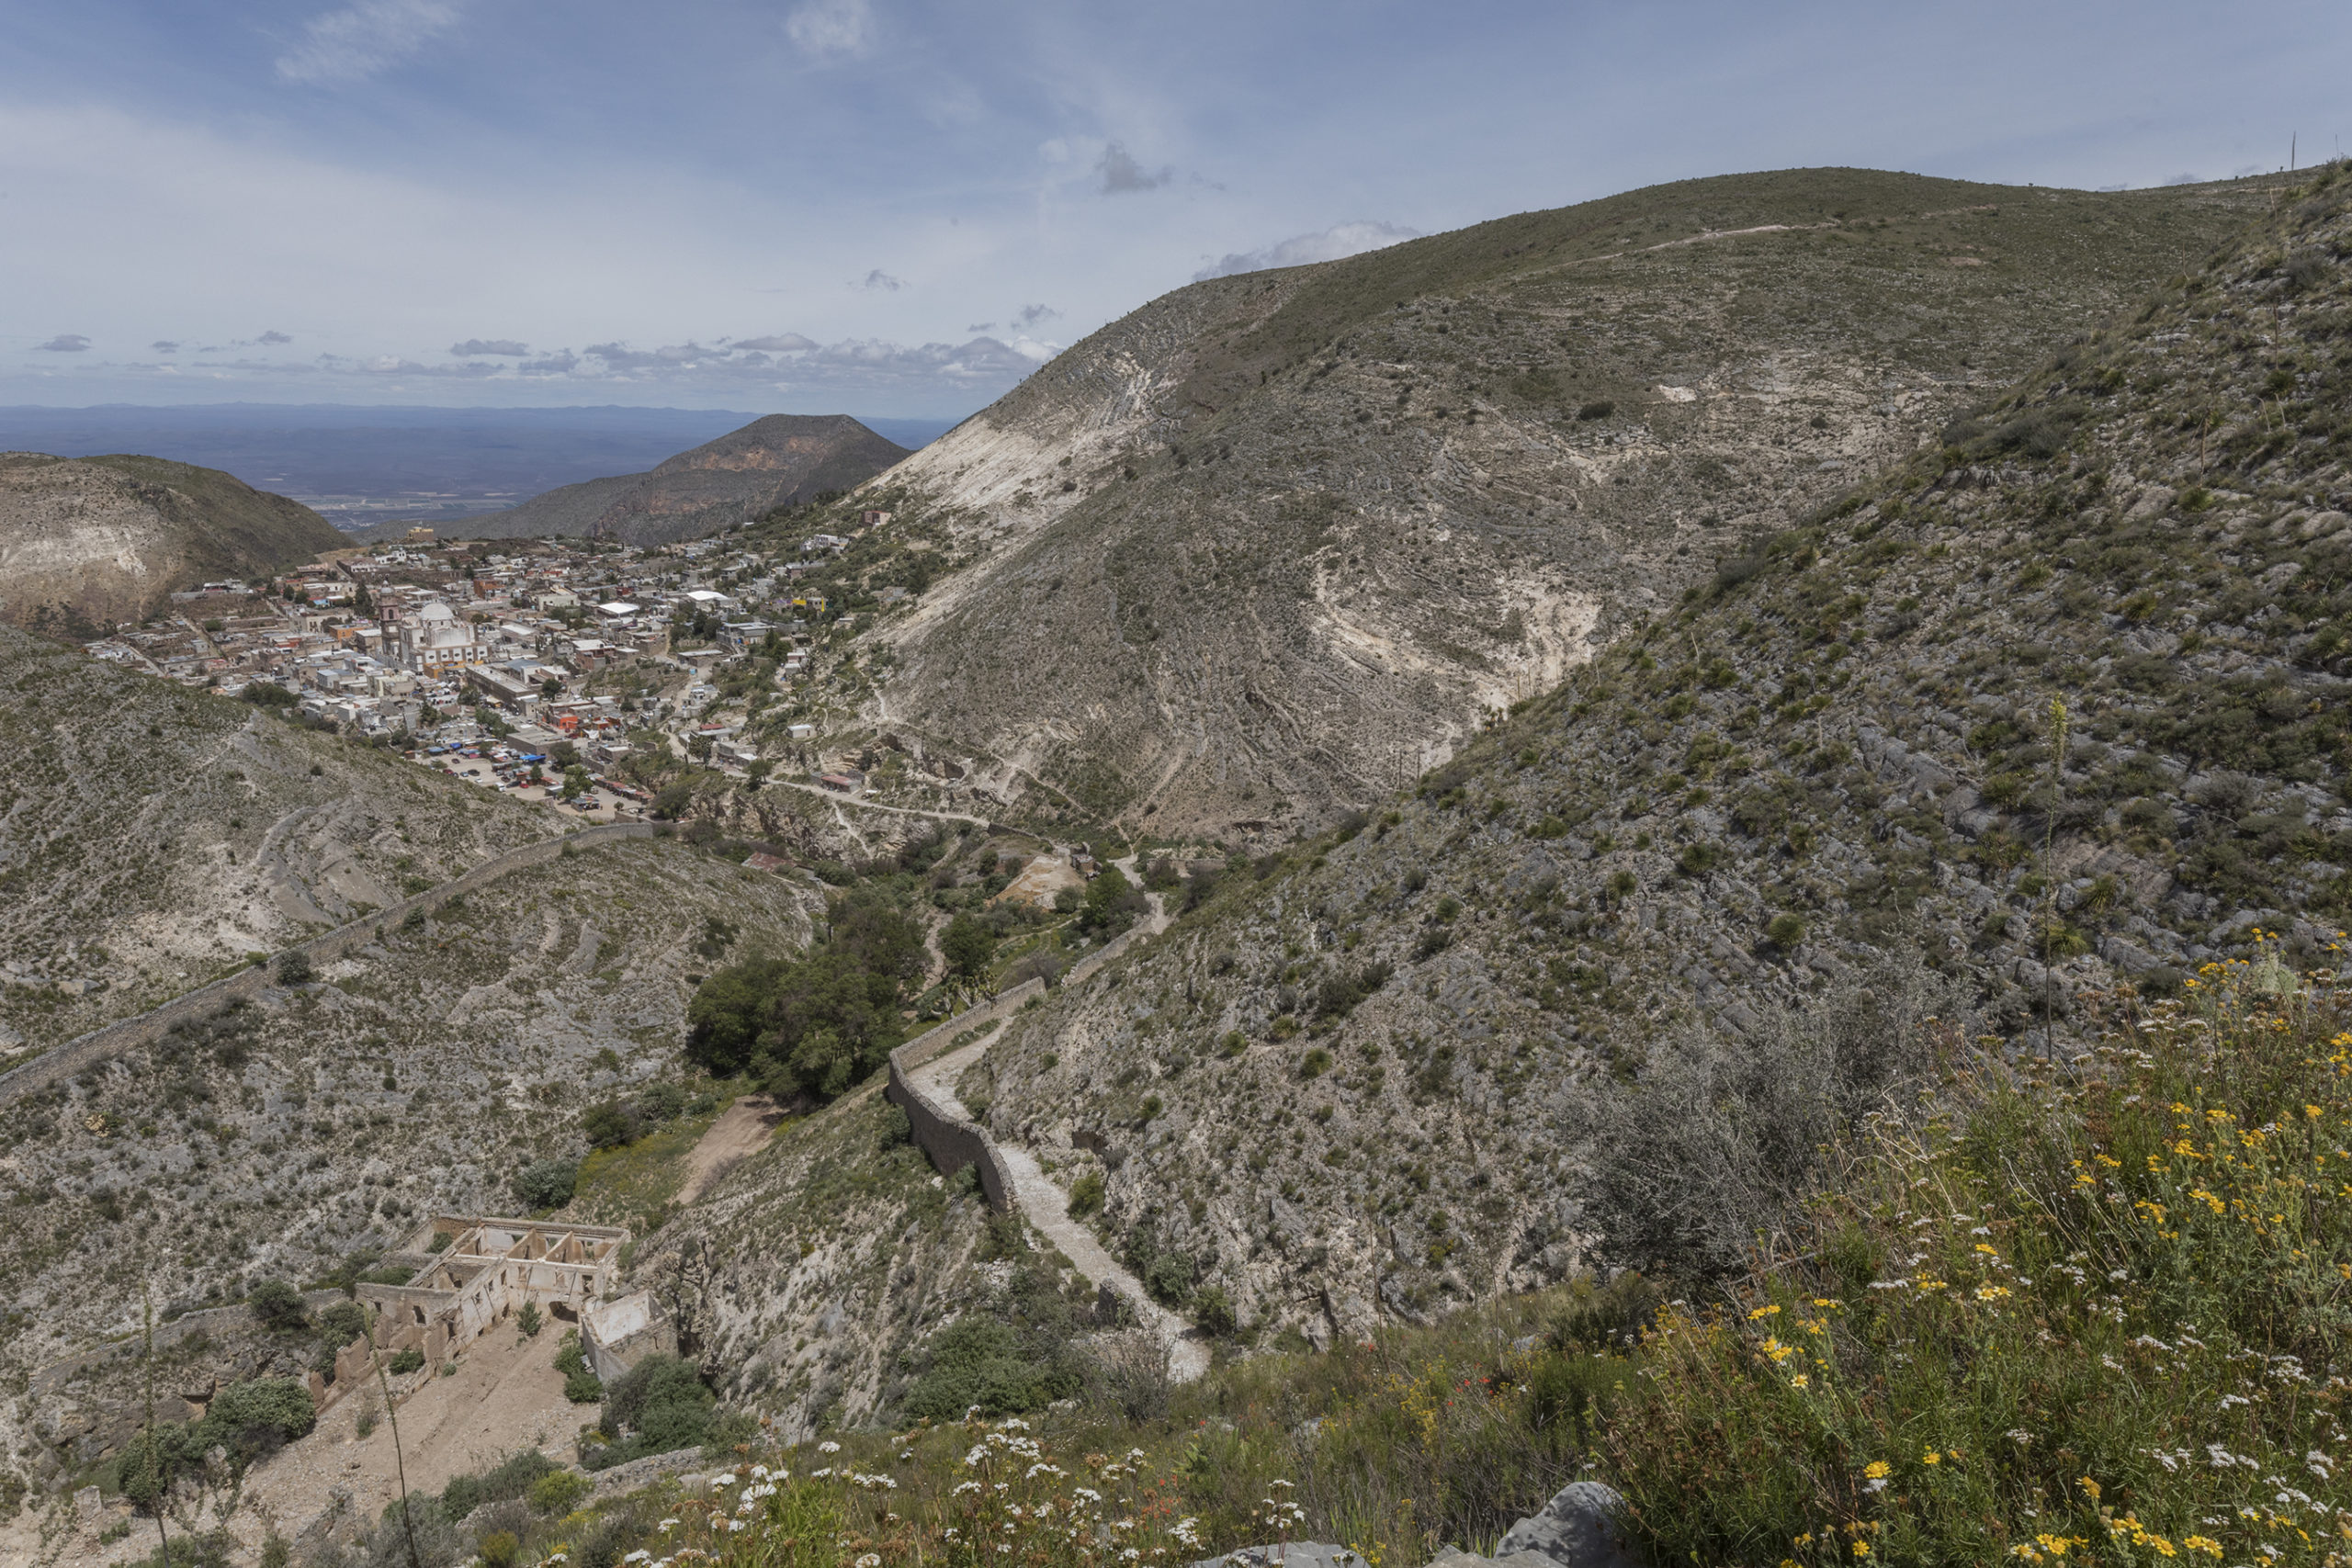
1877 1470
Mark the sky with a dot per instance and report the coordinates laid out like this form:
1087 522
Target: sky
906 205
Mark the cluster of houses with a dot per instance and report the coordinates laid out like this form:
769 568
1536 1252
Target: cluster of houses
391 639
491 649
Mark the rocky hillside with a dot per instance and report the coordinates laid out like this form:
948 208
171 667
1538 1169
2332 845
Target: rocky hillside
152 837
280 1138
782 461
1359 1079
1273 544
87 542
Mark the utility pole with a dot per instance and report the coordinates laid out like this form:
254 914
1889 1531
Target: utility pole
399 1462
2050 876
154 1465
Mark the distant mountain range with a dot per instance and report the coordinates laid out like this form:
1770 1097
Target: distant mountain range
781 460
86 542
360 465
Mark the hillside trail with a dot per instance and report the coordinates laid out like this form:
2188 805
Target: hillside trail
741 1130
1046 1206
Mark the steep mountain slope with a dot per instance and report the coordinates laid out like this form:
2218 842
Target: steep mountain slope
1358 1080
88 541
781 460
152 837
1278 541
420 1074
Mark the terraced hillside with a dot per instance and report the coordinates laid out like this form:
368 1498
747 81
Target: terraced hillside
1273 544
87 542
279 1139
152 837
1397 1069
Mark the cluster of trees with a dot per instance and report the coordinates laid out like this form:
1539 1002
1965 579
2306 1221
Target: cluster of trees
659 1406
613 1122
814 1024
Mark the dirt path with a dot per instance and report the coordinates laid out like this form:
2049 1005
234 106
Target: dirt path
741 1130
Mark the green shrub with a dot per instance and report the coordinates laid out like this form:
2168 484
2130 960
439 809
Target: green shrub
1786 929
606 1125
546 1183
1212 1310
294 969
660 1404
1085 1194
253 1419
498 1548
529 1321
404 1361
2057 1312
979 1359
581 1384
513 1476
560 1492
279 1307
968 943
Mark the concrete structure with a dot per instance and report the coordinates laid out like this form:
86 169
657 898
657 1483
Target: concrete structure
484 1274
615 1336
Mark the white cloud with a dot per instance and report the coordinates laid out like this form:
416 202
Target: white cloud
831 29
1300 250
781 343
272 338
477 345
878 279
1030 315
361 39
65 343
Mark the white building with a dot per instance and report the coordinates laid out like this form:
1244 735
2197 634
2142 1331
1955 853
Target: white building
434 642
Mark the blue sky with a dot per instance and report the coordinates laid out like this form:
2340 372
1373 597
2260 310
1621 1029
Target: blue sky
902 206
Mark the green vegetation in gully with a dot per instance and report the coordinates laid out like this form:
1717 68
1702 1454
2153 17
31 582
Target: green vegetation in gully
811 1024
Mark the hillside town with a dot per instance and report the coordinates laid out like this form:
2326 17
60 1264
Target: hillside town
537 666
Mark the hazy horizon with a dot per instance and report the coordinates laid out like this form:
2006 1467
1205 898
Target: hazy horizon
358 465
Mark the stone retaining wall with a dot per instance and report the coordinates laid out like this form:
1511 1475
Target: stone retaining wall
56 1374
952 1142
63 1062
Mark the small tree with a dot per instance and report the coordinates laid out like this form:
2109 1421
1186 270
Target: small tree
279 1307
608 1125
546 1183
969 944
294 968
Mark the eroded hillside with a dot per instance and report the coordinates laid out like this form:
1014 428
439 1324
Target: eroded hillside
152 837
1360 1079
1274 543
88 541
419 1075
